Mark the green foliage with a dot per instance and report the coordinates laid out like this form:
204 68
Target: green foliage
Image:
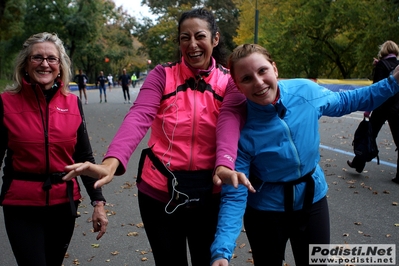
4 83
307 38
313 38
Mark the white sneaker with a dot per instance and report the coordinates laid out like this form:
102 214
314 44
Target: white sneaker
86 102
130 102
124 102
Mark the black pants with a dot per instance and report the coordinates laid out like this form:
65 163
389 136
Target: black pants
126 94
39 236
169 234
377 119
268 233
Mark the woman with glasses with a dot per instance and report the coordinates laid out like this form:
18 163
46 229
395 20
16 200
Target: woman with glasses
43 129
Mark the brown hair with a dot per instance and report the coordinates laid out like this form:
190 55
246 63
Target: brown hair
243 51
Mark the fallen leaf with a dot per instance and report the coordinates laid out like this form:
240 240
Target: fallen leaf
242 245
357 223
115 253
95 245
132 234
144 259
394 203
139 225
345 234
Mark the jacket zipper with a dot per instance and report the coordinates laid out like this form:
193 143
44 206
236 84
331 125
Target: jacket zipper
46 140
197 80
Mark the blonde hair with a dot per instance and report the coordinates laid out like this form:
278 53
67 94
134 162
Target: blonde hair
22 60
388 47
243 51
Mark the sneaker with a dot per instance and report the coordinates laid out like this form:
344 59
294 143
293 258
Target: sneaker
130 101
105 100
124 102
101 101
86 102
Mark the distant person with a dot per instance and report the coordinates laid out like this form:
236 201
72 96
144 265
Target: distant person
124 80
81 79
110 81
389 111
101 80
134 80
278 160
41 131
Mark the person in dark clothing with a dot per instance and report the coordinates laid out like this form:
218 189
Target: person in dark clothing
101 86
81 79
125 80
389 110
41 131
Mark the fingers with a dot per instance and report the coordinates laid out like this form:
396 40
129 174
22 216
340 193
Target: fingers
103 181
103 228
100 221
224 175
242 179
77 169
217 181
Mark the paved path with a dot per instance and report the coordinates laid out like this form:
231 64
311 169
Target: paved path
361 205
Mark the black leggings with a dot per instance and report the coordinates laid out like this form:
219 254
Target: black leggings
169 234
39 236
377 120
126 94
268 233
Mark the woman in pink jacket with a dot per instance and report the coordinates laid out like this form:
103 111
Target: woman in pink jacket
181 102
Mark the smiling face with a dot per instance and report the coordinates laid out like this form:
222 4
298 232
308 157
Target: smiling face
256 78
196 42
43 73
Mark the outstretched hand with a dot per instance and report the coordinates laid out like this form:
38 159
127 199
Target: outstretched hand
224 175
104 172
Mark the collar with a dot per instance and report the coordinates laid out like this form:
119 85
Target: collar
201 72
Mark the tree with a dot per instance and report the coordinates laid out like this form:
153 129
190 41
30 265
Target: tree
11 27
330 39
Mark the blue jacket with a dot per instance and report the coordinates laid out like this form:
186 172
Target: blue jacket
280 143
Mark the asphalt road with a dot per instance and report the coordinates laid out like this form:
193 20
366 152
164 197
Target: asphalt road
362 206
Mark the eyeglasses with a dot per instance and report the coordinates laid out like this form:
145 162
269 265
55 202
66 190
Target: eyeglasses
38 59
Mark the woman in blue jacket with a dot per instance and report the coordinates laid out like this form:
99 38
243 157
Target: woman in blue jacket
279 153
